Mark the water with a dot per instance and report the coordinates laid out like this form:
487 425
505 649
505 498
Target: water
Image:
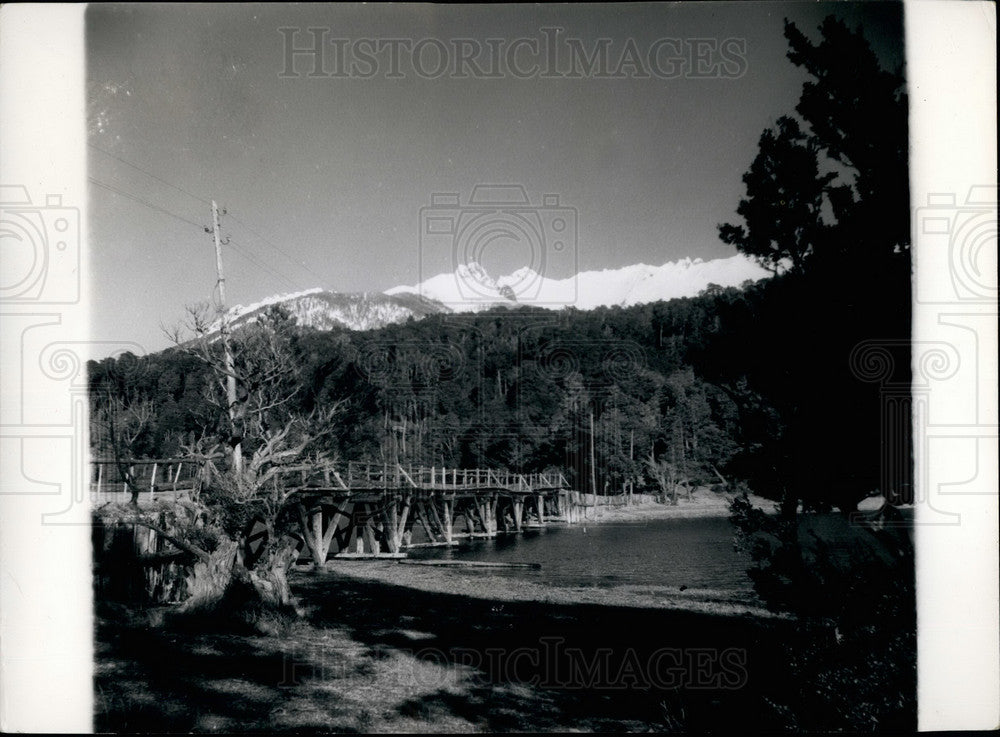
695 553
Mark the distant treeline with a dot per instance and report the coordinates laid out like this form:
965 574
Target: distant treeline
766 384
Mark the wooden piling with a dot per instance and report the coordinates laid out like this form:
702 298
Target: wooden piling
447 521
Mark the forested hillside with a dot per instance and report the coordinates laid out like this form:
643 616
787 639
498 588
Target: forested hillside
749 383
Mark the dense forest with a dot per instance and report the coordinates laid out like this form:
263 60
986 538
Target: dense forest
751 383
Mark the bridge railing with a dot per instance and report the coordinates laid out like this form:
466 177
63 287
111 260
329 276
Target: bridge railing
360 474
173 474
106 475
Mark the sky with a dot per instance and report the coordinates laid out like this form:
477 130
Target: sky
323 176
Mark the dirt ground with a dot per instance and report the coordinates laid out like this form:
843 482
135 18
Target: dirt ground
375 657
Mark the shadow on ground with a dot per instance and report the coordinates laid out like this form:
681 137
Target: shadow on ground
376 657
527 666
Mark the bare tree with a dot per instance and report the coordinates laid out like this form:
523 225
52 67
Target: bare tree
123 417
246 453
667 476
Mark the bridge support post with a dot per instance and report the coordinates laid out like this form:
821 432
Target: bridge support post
392 522
331 530
447 521
398 529
540 508
421 513
518 513
490 517
470 510
370 540
482 515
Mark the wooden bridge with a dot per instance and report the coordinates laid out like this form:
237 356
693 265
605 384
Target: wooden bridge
370 509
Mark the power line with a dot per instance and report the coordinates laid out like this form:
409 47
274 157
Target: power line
144 202
270 243
150 174
244 253
262 266
236 249
178 188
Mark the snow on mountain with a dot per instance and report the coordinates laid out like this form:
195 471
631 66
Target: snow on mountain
235 313
324 310
470 288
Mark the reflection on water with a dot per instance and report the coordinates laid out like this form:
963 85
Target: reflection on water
694 553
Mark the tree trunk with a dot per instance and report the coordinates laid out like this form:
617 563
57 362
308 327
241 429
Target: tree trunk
270 576
789 505
224 581
210 579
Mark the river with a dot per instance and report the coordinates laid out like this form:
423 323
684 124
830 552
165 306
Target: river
695 553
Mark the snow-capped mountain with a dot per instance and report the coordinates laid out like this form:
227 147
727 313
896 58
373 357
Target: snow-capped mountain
471 289
324 310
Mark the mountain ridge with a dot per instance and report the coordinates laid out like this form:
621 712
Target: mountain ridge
470 288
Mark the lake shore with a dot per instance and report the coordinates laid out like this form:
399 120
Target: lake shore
703 502
388 647
486 585
491 585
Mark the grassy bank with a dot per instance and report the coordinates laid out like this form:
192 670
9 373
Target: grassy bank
371 656
490 586
703 502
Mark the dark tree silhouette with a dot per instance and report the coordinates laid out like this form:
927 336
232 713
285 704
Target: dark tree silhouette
785 196
844 230
827 202
857 113
835 185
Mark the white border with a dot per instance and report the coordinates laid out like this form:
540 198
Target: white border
46 629
45 624
951 70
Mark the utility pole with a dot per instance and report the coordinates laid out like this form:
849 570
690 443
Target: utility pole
224 332
593 464
631 468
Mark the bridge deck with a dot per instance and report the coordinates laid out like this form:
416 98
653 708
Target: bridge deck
173 474
371 508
